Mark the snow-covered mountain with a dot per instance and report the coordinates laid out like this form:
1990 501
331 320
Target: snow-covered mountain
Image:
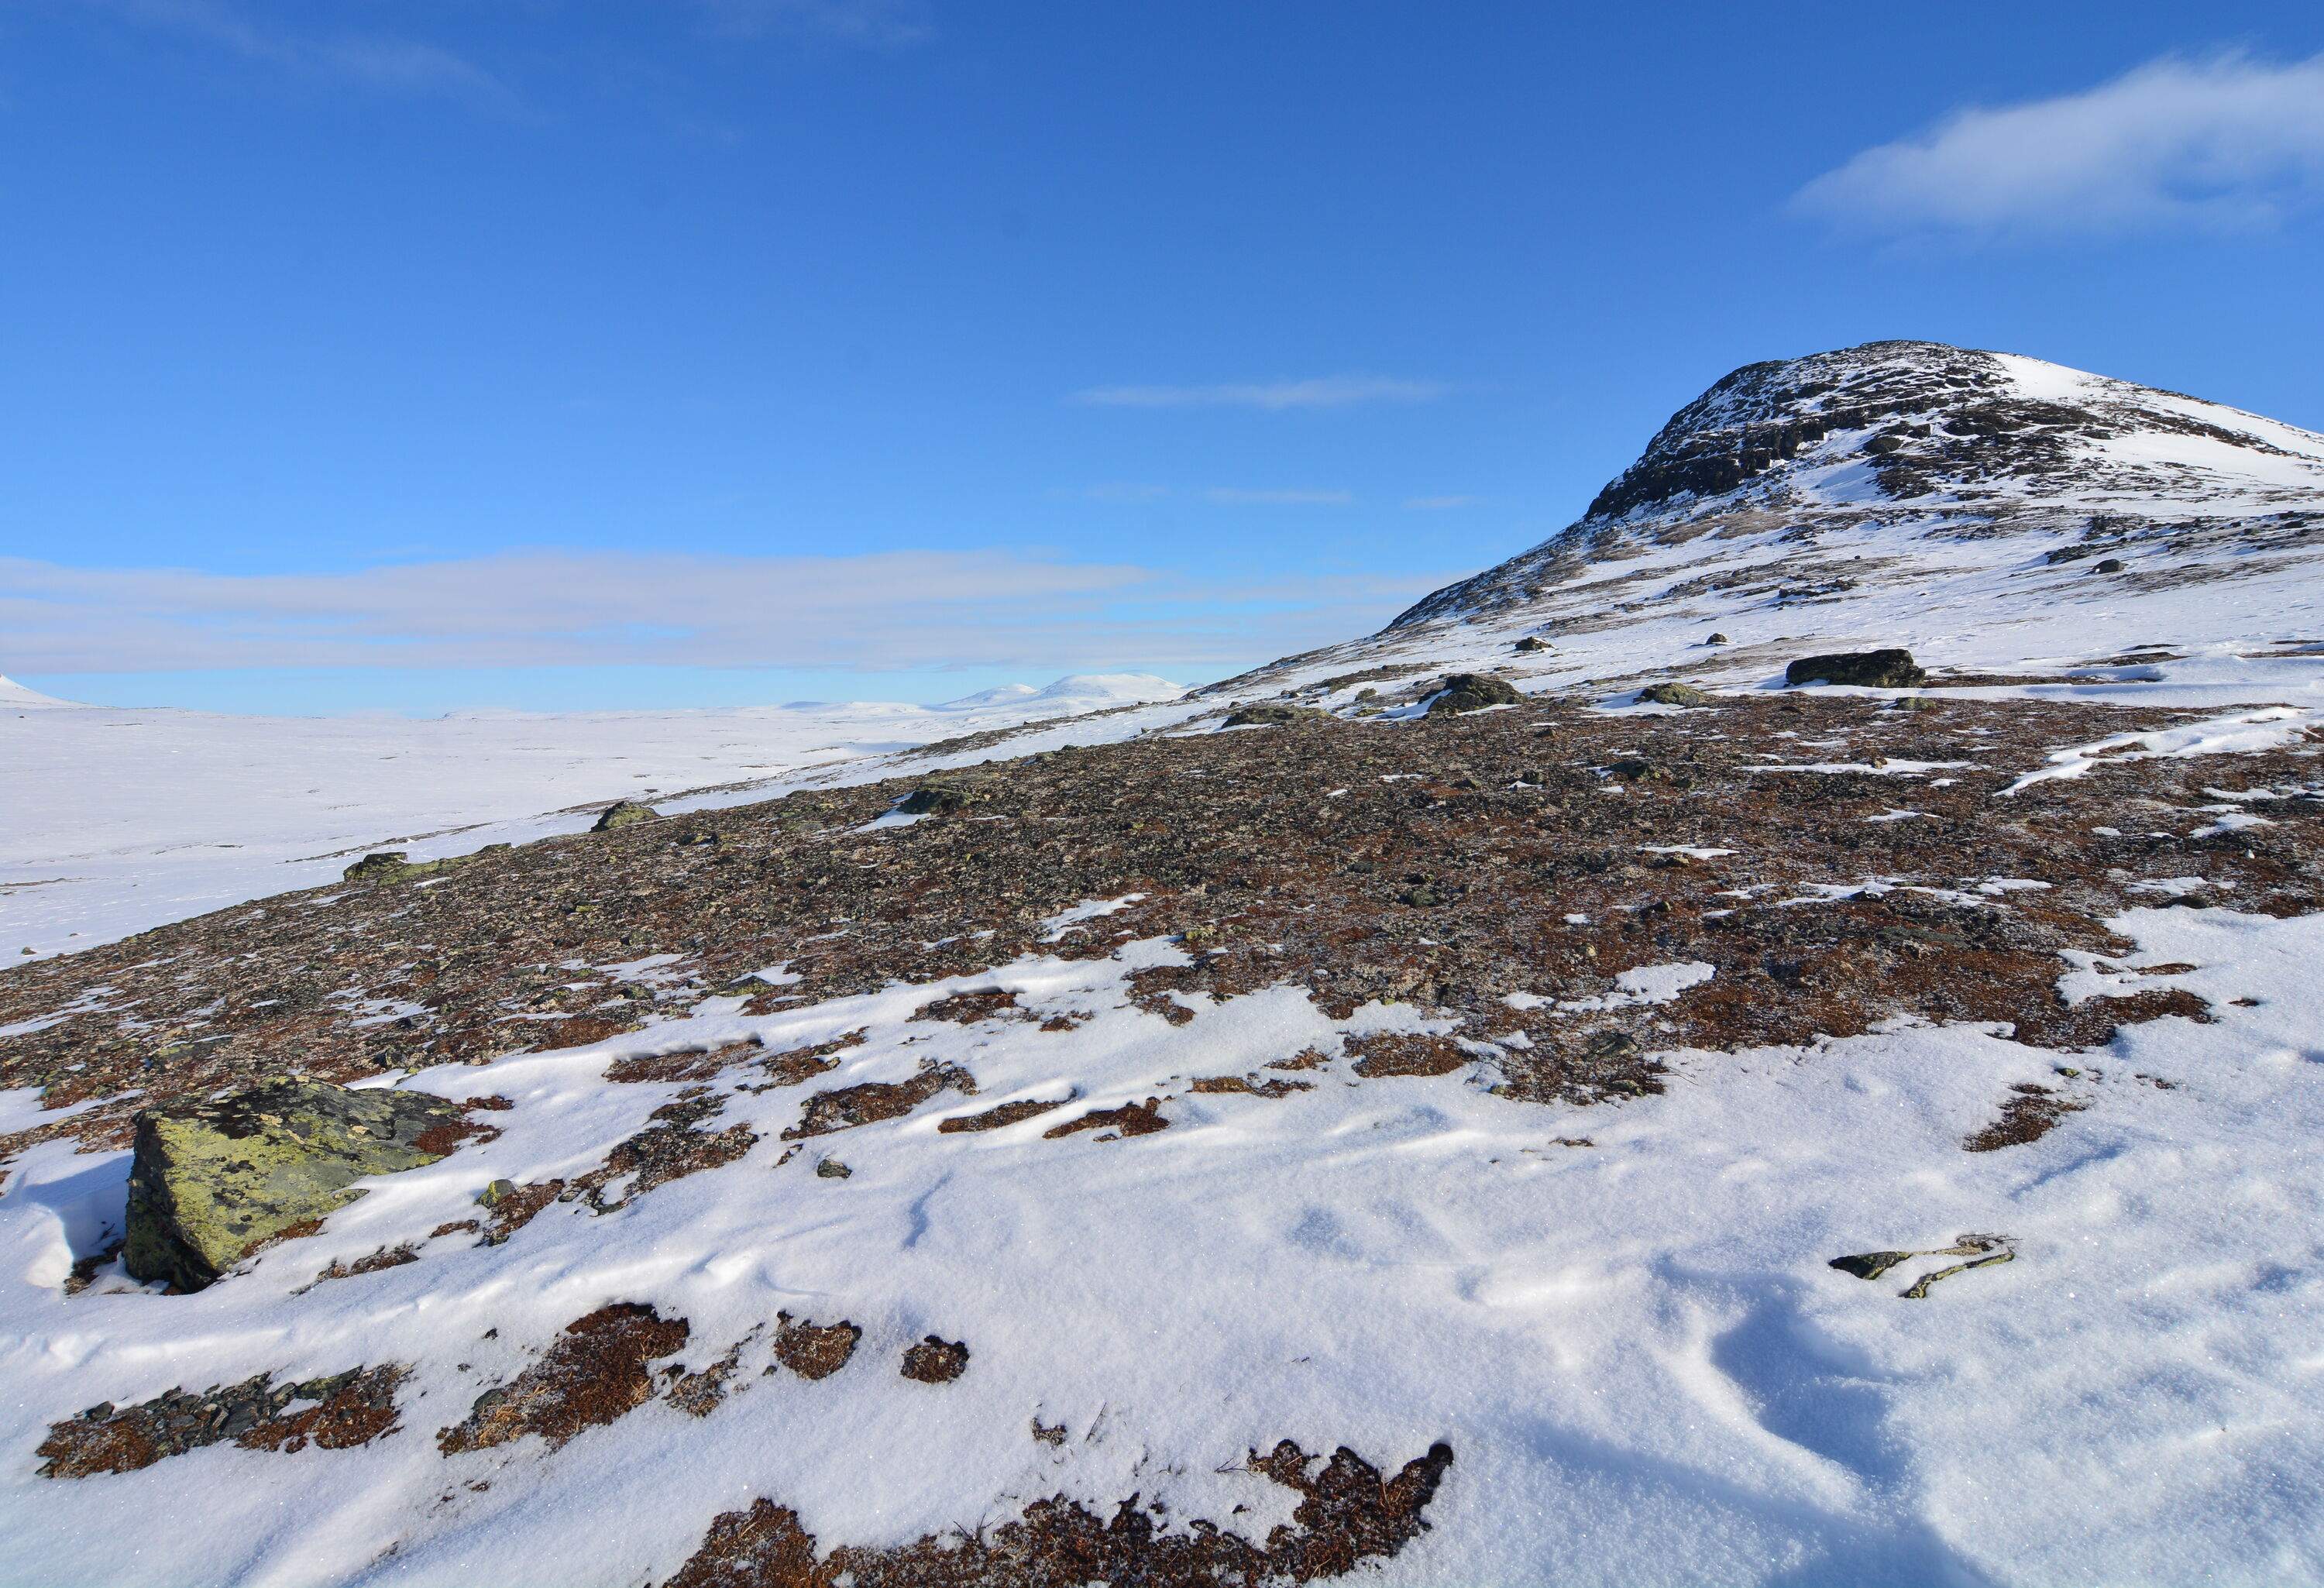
1995 512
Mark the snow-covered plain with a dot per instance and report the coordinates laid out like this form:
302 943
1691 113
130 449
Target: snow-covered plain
118 820
1621 1318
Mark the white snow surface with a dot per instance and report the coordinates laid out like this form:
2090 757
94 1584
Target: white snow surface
1621 1318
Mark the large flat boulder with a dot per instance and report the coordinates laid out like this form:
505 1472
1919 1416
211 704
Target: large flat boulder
212 1180
1890 669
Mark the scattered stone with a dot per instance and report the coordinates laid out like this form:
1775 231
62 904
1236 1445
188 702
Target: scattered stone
935 1360
1531 643
831 1168
1673 694
1717 639
1464 692
212 1181
594 1372
1892 669
2107 564
623 813
338 1413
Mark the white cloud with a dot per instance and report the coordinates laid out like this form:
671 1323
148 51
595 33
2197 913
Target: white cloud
1233 496
392 64
1440 504
1327 391
2224 141
870 612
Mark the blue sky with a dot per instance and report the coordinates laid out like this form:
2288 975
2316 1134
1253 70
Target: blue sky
547 353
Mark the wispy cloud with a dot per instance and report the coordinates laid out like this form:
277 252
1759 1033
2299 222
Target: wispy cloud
386 63
1116 491
2222 142
1326 391
872 613
1440 504
1235 496
883 25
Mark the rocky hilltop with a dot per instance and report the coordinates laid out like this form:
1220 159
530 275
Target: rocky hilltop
1917 440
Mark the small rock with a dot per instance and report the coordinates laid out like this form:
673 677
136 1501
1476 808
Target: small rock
1890 669
1916 703
936 799
624 813
1716 639
1531 643
831 1168
2108 565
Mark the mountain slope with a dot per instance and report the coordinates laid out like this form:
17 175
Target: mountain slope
1811 1135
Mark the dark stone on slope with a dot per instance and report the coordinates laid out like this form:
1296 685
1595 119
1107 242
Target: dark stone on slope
1269 712
624 813
1890 669
213 1180
1462 692
1672 694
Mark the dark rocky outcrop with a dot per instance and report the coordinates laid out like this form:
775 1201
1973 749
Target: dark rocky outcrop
1463 692
213 1180
1891 668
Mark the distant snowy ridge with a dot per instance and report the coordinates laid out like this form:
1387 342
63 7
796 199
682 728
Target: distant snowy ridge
12 693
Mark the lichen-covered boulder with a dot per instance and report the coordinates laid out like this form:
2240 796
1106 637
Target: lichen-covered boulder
1672 694
1890 669
390 865
214 1180
623 813
1459 692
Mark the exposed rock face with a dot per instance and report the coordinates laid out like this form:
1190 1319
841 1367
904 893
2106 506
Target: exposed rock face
624 813
1463 692
1892 669
214 1180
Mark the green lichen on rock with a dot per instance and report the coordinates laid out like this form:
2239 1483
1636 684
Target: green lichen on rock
624 813
213 1180
1669 694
